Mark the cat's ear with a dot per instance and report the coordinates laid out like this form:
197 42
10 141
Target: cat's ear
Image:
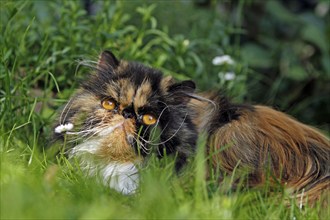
181 91
187 86
107 60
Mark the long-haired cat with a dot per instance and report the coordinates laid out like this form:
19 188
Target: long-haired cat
109 122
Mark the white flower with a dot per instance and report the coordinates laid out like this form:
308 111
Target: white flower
220 60
227 76
63 128
230 76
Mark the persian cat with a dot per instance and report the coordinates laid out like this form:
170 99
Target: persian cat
111 122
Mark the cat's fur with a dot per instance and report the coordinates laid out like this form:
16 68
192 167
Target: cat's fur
256 138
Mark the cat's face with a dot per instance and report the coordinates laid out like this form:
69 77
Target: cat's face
115 113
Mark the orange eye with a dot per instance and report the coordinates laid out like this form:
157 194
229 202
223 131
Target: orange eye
149 119
108 104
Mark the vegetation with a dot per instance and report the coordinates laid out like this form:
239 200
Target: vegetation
281 58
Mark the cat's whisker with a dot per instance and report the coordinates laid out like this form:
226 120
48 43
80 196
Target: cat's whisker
166 106
140 137
90 121
89 129
158 120
79 132
211 109
163 142
144 133
158 151
80 138
200 98
95 133
142 146
99 129
67 111
161 132
84 133
87 63
86 136
164 129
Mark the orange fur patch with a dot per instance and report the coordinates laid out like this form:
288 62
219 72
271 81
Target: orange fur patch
115 147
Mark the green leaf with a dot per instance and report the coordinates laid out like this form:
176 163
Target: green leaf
278 11
256 56
316 36
297 73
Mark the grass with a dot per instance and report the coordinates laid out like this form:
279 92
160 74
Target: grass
41 43
43 190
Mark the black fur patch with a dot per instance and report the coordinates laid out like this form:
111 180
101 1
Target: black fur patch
227 112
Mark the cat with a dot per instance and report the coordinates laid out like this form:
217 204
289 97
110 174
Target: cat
109 124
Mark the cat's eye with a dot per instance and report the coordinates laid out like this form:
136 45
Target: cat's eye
108 104
149 119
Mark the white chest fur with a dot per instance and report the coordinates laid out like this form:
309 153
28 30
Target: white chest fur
123 177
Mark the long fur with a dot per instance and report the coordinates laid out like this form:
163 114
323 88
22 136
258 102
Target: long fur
256 139
259 140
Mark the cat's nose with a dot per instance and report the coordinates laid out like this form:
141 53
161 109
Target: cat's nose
127 113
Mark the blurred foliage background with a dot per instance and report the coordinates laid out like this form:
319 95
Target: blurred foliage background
280 48
277 54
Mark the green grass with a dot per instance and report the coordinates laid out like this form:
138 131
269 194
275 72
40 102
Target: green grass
43 190
41 45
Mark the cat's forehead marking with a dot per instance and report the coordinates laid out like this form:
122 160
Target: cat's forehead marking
127 92
143 92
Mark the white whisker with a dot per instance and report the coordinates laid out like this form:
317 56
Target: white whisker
142 146
200 98
163 142
161 132
64 109
158 120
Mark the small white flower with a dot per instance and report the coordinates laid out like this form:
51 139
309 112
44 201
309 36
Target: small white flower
63 128
220 60
229 76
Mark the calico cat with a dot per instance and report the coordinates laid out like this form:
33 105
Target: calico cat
109 123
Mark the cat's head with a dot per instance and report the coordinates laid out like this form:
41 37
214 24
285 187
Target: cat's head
116 112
